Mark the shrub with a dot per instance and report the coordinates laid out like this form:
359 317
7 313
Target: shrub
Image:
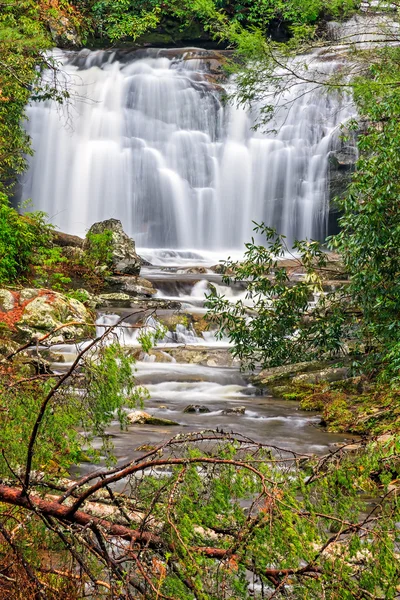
22 240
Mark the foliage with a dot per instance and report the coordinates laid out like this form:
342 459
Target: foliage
98 249
23 241
133 18
217 516
24 41
73 417
369 235
276 324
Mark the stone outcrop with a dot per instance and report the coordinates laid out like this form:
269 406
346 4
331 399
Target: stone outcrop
34 312
140 417
278 380
64 32
195 355
122 247
132 286
7 300
67 240
237 410
196 408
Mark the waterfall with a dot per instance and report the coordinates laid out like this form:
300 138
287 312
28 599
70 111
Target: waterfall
149 140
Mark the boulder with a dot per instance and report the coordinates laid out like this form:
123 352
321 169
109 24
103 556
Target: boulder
237 410
122 247
330 375
200 355
28 294
48 311
116 299
196 408
73 253
63 31
134 286
7 301
65 239
193 270
221 269
251 390
140 417
7 347
284 373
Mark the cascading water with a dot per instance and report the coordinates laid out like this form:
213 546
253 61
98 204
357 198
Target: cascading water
149 141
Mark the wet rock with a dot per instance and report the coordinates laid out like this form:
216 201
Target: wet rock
237 410
210 357
38 365
7 301
86 297
193 270
221 269
160 356
65 239
133 286
114 298
140 417
200 323
48 311
144 304
122 247
52 357
196 408
251 390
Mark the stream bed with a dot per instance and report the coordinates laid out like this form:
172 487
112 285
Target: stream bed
188 368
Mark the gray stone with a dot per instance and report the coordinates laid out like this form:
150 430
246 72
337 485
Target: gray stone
210 357
49 311
122 247
196 408
28 294
7 301
134 286
140 417
73 253
65 239
116 297
237 410
63 32
273 375
330 375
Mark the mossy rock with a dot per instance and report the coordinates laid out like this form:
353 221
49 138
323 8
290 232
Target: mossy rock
140 417
285 373
51 310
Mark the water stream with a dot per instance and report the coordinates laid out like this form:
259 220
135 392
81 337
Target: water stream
198 375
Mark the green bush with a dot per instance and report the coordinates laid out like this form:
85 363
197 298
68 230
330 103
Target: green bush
98 251
22 240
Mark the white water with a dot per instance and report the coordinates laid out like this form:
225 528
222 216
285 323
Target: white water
150 142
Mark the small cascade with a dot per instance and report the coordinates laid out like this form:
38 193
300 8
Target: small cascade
148 139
